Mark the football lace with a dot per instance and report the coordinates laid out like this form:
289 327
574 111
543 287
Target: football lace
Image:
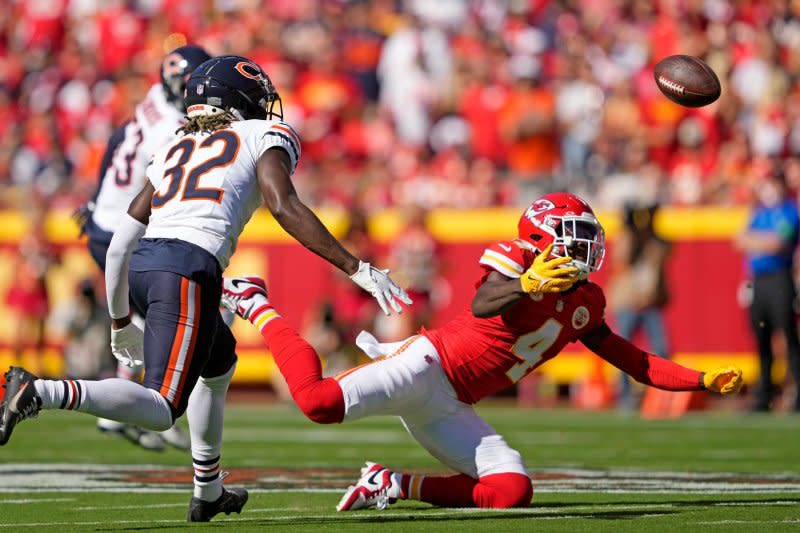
671 85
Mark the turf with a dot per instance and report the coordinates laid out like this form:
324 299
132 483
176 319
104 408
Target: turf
592 472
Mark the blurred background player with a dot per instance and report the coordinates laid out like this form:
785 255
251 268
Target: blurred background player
637 290
235 154
533 298
770 242
155 123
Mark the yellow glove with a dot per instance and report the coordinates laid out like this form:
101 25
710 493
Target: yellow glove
725 380
548 275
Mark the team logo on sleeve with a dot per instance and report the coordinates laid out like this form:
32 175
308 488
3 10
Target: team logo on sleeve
580 317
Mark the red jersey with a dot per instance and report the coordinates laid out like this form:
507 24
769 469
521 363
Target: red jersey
482 356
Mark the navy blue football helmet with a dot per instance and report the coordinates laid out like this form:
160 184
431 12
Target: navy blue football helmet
234 84
175 70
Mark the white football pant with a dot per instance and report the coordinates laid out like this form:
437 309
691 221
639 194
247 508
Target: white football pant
406 379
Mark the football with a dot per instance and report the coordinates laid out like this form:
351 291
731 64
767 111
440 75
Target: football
686 80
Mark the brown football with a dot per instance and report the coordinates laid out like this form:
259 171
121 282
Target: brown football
687 81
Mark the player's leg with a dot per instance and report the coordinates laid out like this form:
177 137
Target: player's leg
320 399
205 414
151 440
492 474
784 318
762 329
393 385
180 326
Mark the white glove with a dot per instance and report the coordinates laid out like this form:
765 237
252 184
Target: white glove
380 286
127 345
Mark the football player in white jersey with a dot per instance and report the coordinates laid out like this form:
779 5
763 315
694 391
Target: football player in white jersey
202 189
155 122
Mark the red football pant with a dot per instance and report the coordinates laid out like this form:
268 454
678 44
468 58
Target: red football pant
321 400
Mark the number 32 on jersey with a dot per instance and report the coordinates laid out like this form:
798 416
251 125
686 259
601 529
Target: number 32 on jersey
531 346
216 151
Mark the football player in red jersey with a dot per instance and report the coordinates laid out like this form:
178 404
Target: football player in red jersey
533 298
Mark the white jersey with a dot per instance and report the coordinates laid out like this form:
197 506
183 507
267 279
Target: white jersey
206 187
154 124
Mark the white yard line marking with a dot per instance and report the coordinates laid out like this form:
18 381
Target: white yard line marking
36 500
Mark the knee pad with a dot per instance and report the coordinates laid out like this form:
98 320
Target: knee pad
322 401
503 491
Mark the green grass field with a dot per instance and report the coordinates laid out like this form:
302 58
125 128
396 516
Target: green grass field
592 472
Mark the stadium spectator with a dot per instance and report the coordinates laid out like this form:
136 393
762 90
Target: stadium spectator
770 242
637 290
28 297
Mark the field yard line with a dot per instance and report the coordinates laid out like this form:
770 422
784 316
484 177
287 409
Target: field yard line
39 500
748 504
149 506
722 522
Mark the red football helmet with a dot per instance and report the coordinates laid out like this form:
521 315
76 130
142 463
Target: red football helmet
568 223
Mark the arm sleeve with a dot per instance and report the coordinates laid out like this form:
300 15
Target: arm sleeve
280 135
644 367
119 252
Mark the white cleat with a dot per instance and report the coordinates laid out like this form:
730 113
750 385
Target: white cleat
245 296
373 488
176 438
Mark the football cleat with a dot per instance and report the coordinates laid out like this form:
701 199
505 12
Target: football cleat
149 440
20 401
373 488
231 501
245 296
176 437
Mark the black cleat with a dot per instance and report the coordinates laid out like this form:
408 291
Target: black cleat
231 501
20 401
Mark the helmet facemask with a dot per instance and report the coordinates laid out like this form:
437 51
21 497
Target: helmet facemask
582 238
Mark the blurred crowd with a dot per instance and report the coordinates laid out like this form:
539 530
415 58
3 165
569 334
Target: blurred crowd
424 103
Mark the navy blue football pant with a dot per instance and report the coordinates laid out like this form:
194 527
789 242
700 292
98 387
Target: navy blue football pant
184 335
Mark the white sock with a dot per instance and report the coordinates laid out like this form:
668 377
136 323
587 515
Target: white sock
205 414
115 399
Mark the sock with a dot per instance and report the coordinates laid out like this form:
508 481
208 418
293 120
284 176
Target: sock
207 479
115 399
495 491
205 416
261 315
408 486
446 491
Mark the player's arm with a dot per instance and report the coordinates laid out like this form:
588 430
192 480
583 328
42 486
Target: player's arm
126 236
655 371
126 338
498 292
274 178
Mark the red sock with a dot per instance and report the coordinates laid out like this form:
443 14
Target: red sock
496 491
320 399
448 491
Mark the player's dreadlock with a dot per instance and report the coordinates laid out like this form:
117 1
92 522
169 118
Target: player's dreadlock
207 123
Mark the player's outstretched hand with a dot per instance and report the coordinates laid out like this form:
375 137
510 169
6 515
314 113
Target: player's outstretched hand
548 275
81 216
381 287
127 345
724 380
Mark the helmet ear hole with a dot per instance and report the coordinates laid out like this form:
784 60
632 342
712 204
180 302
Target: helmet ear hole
535 237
